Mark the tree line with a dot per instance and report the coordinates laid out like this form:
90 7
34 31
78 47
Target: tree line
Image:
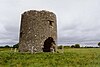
77 46
7 46
59 47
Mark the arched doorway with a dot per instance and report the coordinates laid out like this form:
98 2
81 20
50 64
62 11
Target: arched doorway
49 43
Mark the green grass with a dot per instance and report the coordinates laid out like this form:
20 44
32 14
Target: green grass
71 57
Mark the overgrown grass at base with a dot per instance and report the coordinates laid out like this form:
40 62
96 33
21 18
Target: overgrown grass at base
71 57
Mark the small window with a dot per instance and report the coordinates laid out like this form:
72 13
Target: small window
50 23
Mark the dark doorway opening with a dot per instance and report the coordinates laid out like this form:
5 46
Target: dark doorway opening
48 43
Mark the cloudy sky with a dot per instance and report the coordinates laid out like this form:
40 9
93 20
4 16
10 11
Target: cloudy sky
78 21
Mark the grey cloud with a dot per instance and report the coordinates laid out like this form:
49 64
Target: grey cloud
77 20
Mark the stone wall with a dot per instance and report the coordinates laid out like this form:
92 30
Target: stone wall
36 27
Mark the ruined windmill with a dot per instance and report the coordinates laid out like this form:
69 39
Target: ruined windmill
38 31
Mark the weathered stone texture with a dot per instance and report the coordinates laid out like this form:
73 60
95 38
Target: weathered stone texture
36 27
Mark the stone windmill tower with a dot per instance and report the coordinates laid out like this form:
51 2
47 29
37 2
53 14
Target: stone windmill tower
38 30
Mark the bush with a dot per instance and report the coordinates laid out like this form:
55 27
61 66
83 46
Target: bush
77 45
16 45
99 44
60 47
7 46
72 46
66 47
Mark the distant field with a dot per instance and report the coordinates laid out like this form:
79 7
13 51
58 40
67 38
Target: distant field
71 57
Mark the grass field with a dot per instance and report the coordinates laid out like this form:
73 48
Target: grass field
71 57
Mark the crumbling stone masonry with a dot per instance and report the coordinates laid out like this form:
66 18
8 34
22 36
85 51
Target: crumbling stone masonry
38 31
